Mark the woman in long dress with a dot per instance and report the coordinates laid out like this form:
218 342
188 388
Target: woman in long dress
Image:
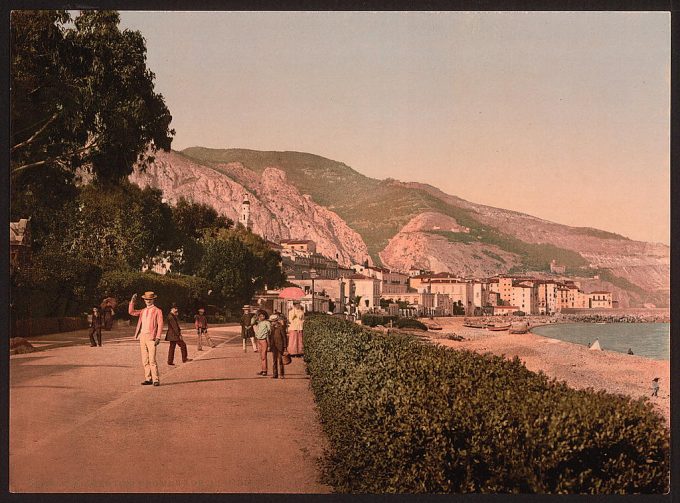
296 322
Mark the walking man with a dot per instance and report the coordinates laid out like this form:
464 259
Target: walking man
201 323
96 327
247 331
655 386
149 330
174 335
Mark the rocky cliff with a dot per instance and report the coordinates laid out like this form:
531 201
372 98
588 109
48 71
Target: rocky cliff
422 244
278 210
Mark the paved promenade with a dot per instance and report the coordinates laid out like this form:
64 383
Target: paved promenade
81 422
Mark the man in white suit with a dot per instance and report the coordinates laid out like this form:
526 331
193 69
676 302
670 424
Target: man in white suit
148 331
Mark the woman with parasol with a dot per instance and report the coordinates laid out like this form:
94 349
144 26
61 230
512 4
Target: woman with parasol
108 305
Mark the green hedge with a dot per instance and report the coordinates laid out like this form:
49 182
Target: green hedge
41 326
410 323
407 417
373 320
189 292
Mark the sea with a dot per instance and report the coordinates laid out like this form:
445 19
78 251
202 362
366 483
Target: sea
651 340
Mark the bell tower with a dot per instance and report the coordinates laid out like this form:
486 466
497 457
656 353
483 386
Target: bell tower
245 212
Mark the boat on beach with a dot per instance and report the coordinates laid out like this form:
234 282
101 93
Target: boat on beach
497 328
473 325
521 327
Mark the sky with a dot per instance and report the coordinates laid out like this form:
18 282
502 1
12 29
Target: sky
561 115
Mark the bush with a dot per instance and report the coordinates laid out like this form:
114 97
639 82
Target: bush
41 326
373 320
406 417
410 323
189 292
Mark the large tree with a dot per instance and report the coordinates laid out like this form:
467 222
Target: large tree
82 95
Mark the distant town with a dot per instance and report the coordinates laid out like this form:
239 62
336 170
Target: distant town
361 288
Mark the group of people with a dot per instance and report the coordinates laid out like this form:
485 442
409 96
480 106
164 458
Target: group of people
276 334
282 336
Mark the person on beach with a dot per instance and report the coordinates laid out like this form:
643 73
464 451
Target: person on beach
174 336
201 324
655 386
247 331
149 330
278 342
96 327
262 329
296 322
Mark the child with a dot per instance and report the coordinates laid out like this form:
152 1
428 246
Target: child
262 329
655 386
201 323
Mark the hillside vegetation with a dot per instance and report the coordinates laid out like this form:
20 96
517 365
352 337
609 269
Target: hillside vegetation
378 209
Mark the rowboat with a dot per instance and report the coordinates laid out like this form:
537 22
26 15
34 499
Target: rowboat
497 328
474 325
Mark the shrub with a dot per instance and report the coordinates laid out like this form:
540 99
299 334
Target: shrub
40 326
406 417
410 323
189 292
373 320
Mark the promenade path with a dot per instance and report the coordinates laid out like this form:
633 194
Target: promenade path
81 422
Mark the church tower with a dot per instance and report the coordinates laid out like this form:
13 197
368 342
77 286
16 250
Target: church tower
245 212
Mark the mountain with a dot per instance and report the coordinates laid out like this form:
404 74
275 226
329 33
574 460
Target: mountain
353 217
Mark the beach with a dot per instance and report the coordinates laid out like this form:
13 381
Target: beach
577 365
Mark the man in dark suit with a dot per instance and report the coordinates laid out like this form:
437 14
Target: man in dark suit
96 327
174 336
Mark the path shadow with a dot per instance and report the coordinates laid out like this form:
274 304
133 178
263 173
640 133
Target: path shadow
211 380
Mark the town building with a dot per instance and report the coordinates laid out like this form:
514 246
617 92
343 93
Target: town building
556 268
367 291
391 282
244 218
504 310
304 246
600 300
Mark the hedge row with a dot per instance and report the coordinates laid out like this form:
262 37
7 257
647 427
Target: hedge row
373 320
42 326
189 292
406 417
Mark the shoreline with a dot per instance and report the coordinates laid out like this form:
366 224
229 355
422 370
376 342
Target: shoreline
573 363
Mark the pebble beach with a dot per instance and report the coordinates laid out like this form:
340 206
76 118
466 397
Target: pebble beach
577 365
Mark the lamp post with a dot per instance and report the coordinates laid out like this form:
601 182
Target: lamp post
312 275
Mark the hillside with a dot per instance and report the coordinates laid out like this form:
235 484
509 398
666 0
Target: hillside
408 224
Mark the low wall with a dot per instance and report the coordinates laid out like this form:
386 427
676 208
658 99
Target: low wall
628 311
42 326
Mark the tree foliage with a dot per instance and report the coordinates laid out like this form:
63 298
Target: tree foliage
82 96
239 264
121 227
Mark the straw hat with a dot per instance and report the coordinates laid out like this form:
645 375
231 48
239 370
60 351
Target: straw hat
274 317
149 295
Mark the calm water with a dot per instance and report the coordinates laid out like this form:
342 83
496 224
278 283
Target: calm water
651 340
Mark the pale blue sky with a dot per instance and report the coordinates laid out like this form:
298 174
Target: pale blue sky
564 116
